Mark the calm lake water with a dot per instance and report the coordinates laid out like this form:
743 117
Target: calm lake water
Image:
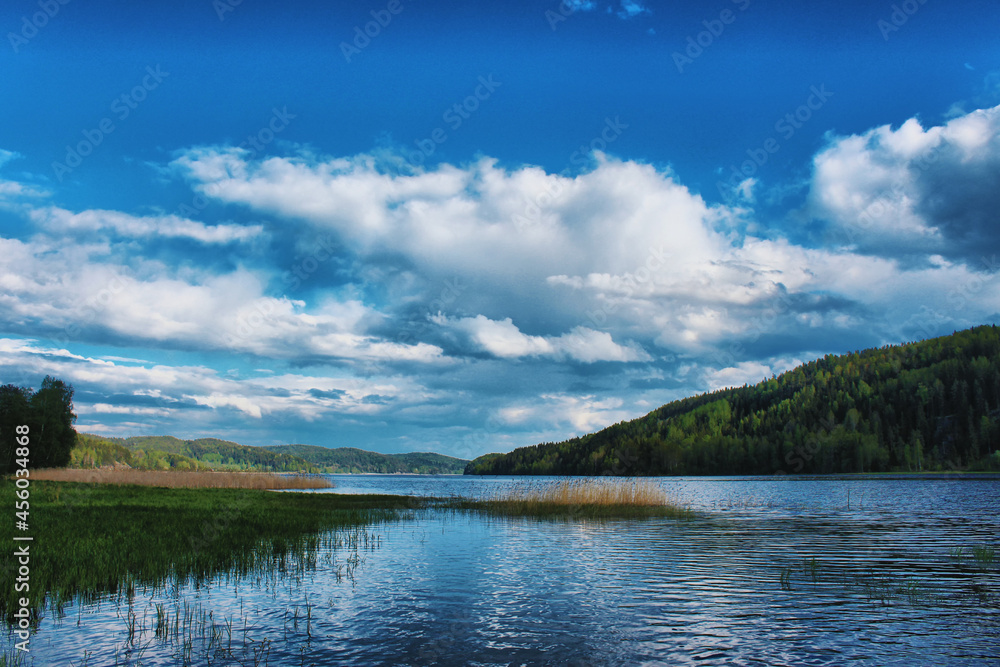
772 572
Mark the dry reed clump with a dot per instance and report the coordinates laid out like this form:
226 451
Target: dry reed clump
183 479
584 497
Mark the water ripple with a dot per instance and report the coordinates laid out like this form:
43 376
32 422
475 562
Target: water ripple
770 573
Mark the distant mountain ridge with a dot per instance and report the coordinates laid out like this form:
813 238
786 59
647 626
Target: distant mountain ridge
353 460
167 452
928 405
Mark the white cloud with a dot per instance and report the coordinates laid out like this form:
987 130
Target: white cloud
622 264
623 251
503 339
71 291
61 221
747 372
480 219
6 156
912 191
108 409
178 389
632 8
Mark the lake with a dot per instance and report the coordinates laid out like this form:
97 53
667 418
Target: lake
772 571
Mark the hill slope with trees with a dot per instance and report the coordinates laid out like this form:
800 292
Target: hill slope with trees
351 460
929 405
155 451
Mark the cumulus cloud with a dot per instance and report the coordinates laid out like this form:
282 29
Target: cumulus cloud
177 391
914 192
748 372
436 279
482 218
71 292
622 250
60 221
503 339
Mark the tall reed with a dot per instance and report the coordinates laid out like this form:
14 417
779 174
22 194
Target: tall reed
183 479
106 538
615 497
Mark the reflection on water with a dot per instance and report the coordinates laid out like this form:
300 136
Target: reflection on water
772 572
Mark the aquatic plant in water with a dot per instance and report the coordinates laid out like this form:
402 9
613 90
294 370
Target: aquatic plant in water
582 498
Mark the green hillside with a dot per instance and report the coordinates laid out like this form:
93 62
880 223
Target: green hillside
162 452
95 451
166 452
930 405
351 460
220 454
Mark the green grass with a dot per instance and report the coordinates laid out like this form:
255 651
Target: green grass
984 556
93 539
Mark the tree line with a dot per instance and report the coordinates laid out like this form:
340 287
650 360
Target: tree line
48 414
926 406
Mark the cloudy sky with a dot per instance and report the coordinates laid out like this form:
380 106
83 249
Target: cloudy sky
467 227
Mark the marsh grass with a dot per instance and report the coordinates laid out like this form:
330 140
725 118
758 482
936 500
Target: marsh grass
984 556
183 479
109 539
157 624
883 587
886 586
980 557
13 658
582 498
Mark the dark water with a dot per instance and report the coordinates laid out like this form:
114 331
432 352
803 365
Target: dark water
772 572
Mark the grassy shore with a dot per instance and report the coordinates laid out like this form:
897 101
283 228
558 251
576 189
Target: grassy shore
612 498
183 479
91 539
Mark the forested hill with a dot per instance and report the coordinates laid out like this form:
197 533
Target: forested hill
161 452
164 451
931 405
351 460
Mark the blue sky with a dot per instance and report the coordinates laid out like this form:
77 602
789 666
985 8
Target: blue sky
480 225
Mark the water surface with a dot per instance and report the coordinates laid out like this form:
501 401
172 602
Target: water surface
772 572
